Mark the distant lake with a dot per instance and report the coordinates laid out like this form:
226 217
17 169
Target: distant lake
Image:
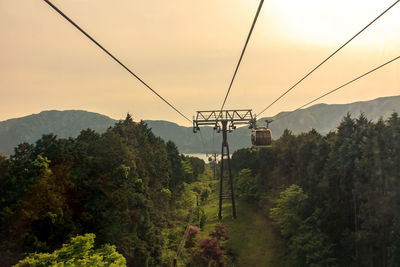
198 155
202 156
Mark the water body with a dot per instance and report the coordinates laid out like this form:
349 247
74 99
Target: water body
198 155
203 156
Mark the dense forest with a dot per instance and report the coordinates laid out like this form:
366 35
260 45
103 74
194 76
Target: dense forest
125 197
334 199
126 189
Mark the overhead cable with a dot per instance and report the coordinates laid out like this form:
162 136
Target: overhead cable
244 49
113 57
325 60
340 87
185 235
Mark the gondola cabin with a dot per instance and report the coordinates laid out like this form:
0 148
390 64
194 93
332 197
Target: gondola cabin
261 137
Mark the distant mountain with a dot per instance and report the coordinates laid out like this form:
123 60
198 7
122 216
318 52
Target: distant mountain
322 117
183 137
62 123
69 123
325 118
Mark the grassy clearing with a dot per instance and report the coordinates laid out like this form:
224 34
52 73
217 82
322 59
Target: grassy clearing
251 235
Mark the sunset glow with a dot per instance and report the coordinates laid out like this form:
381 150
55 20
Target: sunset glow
187 50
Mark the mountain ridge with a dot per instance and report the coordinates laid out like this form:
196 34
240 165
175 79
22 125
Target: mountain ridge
69 123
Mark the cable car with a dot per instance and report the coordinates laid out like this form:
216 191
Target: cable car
261 136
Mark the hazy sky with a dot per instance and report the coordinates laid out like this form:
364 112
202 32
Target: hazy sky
187 50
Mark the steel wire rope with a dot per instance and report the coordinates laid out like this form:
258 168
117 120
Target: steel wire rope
185 234
337 88
325 60
114 58
244 49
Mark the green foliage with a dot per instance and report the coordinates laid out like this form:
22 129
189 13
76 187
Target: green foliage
78 252
42 164
202 219
126 186
196 164
187 170
287 211
307 246
335 198
246 185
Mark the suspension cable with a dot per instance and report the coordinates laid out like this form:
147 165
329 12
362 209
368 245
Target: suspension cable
334 90
244 49
325 60
185 234
113 57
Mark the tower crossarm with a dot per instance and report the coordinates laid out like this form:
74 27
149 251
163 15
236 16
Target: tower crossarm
214 117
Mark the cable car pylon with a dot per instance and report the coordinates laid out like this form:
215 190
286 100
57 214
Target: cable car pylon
224 121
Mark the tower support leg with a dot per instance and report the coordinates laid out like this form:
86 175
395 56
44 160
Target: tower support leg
229 194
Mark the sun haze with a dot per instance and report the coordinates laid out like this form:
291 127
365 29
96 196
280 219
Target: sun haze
187 51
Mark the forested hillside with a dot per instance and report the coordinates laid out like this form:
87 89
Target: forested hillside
322 117
126 186
334 199
64 124
69 123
